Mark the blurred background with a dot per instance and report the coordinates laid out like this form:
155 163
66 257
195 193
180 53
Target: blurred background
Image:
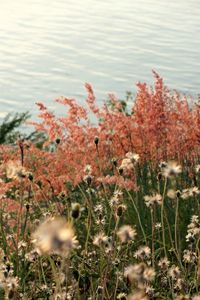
51 48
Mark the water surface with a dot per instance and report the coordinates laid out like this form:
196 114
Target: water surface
50 48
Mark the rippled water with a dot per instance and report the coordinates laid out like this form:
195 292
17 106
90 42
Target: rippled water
50 48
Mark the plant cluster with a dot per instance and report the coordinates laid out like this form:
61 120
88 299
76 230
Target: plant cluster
109 210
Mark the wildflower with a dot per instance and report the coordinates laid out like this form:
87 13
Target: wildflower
128 162
58 140
118 193
139 273
163 263
88 179
149 290
96 140
197 169
174 272
114 201
121 296
158 226
30 176
108 246
171 194
126 165
54 235
114 161
32 256
12 286
134 272
190 192
151 200
126 233
100 221
15 170
75 213
143 253
195 219
88 170
189 257
100 239
133 157
149 274
98 208
179 284
162 165
170 169
99 289
22 244
193 231
139 295
116 198
120 209
58 297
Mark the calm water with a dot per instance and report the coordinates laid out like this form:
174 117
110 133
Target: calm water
50 48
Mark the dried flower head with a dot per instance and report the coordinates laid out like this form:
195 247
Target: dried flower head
129 161
15 170
174 272
143 253
189 257
138 295
171 194
75 212
134 157
121 296
54 235
139 273
88 170
120 210
197 169
153 199
100 239
116 199
164 263
126 233
190 192
170 169
98 209
158 226
193 231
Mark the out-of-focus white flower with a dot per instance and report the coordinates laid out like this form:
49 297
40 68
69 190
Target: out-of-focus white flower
54 235
170 169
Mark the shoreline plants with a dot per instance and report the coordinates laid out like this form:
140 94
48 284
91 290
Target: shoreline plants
108 210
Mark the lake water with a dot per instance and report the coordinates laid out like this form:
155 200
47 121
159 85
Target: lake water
51 48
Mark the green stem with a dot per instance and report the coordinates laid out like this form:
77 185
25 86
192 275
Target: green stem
162 218
138 215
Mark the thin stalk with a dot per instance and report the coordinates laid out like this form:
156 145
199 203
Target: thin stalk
176 224
138 215
152 240
162 218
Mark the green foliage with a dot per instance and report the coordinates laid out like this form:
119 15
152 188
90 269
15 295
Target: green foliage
11 129
9 125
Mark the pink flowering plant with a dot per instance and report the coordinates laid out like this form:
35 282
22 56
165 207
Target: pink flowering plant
107 209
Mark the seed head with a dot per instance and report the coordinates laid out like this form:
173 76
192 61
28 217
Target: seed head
96 140
75 213
126 234
54 235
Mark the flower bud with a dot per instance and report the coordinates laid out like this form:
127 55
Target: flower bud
75 213
96 140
